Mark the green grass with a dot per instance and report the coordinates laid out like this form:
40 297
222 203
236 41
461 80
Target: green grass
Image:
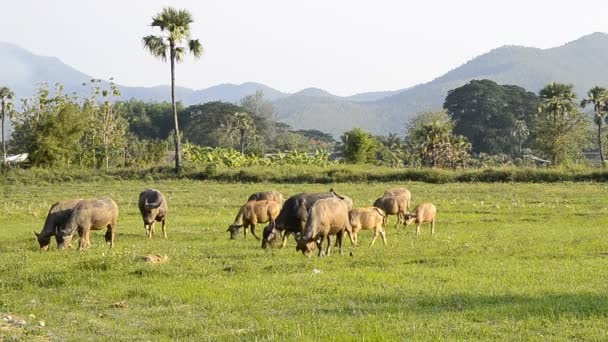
509 262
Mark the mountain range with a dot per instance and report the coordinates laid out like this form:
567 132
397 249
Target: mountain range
583 63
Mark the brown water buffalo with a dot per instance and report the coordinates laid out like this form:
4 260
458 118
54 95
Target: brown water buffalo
368 218
328 216
393 205
57 217
87 215
153 208
293 216
252 213
424 212
268 196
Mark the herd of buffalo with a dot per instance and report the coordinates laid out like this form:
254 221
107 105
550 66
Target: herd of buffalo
313 219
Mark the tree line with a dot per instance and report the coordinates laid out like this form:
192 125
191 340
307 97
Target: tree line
484 121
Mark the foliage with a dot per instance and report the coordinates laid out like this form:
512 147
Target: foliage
143 153
106 124
231 158
358 147
561 130
598 97
50 128
431 139
175 25
487 113
151 120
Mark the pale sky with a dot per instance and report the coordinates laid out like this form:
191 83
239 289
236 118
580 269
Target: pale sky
342 46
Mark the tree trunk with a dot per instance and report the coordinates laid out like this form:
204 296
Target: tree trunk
242 141
174 106
599 142
3 143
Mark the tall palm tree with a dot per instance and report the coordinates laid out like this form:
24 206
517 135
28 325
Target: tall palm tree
598 96
175 31
6 98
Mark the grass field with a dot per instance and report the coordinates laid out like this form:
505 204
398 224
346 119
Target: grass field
509 262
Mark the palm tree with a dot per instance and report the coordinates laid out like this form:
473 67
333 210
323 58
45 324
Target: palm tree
521 132
598 96
175 24
557 100
241 123
6 98
559 120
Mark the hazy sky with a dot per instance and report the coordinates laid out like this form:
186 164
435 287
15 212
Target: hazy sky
342 46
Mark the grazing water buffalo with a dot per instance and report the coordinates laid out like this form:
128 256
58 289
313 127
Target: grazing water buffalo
368 218
293 216
424 212
153 207
268 196
57 217
328 216
393 205
252 213
87 215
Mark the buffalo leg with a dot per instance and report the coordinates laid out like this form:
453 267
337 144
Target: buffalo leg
285 237
433 227
252 227
110 234
418 229
339 241
376 233
82 242
164 228
328 248
151 229
383 235
320 245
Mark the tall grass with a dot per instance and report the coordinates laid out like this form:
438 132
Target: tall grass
309 174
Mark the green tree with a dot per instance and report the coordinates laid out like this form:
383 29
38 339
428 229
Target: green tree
151 120
431 139
598 96
107 126
487 113
240 124
560 128
6 102
521 133
358 146
50 128
175 24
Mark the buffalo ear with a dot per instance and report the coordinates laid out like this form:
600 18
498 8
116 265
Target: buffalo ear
37 235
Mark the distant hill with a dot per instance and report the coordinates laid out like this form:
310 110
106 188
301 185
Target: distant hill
583 62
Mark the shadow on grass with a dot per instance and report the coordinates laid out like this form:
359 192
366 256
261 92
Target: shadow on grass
551 305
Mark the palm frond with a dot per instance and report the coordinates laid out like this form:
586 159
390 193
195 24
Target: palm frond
6 93
156 45
195 47
179 54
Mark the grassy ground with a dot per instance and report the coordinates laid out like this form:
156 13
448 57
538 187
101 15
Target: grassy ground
509 262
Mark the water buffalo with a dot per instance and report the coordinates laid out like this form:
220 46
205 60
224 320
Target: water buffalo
87 215
328 216
153 208
293 216
252 213
57 217
424 212
268 196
